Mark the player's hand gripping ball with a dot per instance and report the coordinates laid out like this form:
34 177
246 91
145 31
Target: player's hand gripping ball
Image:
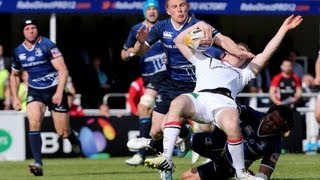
196 41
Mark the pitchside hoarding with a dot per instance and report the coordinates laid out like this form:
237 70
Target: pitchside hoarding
12 137
99 136
266 7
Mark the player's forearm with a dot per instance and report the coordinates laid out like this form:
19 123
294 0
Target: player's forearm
140 48
180 38
229 45
124 55
273 97
273 44
14 85
127 54
297 95
63 76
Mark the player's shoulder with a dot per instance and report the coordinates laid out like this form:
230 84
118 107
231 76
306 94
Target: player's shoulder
162 23
45 40
136 26
20 47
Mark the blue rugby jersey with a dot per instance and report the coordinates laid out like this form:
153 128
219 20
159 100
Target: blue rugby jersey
37 62
256 146
178 67
153 60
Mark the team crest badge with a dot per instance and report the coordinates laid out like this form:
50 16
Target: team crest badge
38 52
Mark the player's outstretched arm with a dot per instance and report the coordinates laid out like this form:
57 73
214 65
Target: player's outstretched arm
261 59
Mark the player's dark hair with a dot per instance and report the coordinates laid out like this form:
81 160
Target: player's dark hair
245 46
286 113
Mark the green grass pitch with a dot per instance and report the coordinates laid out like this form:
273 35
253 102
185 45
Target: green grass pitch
290 166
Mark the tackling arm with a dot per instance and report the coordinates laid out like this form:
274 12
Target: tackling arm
229 45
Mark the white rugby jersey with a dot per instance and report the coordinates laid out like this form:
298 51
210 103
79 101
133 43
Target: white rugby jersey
212 73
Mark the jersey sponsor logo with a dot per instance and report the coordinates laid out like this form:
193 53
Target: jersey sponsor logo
34 63
167 35
169 46
38 52
22 56
50 77
31 58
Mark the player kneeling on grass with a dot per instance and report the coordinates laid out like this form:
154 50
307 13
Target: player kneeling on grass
262 134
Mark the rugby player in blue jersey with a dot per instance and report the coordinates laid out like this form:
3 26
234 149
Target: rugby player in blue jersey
153 71
48 75
181 73
213 100
262 134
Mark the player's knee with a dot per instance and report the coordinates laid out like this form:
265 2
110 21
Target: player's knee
156 135
63 133
191 174
177 102
34 125
143 110
147 101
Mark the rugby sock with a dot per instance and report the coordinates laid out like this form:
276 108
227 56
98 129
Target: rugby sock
144 128
157 145
184 131
73 138
35 144
171 131
235 148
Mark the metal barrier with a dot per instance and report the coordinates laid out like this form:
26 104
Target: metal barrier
125 111
254 101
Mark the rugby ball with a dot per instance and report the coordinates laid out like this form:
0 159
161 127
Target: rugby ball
195 40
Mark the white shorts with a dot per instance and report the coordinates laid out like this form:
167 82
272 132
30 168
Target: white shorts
208 106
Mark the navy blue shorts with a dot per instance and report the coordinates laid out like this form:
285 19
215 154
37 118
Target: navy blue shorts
45 96
169 90
156 80
215 170
212 145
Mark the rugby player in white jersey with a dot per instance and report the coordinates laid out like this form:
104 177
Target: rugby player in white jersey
212 102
